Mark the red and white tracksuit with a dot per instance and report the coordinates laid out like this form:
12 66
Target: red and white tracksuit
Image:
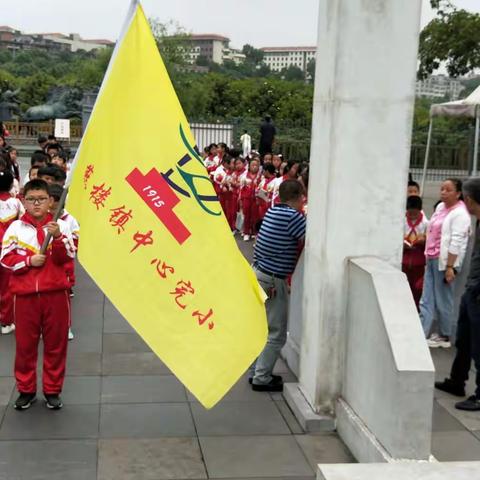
211 165
414 260
264 196
10 209
248 186
74 229
276 190
41 301
236 178
222 181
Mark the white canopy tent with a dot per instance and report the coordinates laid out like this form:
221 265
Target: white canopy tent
468 107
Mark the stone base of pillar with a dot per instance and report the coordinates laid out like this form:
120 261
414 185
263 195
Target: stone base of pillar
400 471
291 355
306 417
358 438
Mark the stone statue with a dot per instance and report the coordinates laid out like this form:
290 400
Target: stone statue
63 102
9 104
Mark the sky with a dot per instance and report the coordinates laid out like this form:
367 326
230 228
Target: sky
258 22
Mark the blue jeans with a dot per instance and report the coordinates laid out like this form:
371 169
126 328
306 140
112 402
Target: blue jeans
437 296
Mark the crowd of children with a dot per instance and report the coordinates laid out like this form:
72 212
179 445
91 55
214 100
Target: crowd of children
36 267
38 248
248 186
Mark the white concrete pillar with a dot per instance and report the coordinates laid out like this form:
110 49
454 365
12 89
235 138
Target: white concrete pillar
363 109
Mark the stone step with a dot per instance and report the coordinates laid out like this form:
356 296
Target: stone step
401 471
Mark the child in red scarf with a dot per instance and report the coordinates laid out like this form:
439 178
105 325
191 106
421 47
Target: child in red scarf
248 186
413 262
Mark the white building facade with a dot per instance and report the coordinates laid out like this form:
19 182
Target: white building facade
279 58
214 48
76 42
439 86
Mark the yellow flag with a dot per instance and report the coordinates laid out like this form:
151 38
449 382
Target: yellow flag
154 237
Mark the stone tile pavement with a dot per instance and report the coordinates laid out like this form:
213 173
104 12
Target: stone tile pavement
127 417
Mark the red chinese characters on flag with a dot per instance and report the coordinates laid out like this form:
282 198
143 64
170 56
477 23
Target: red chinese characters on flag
183 288
120 217
162 268
161 199
202 318
99 195
142 240
86 176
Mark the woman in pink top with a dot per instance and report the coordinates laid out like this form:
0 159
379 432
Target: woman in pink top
447 238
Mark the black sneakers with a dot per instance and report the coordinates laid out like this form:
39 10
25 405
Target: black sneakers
278 377
24 401
275 385
450 387
53 402
471 404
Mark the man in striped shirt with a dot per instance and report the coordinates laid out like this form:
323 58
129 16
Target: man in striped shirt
275 258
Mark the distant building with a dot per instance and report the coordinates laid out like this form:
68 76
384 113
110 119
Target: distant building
12 39
75 42
439 86
278 58
215 48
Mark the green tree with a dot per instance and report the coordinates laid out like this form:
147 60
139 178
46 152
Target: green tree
202 61
311 68
173 44
7 81
292 73
253 55
34 90
453 38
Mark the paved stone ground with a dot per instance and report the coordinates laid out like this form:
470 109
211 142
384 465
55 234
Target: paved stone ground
127 417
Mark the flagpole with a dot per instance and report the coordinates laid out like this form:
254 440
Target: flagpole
134 4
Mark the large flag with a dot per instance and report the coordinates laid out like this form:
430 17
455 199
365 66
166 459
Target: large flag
154 237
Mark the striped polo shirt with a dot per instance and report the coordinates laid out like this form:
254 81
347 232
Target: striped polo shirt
276 249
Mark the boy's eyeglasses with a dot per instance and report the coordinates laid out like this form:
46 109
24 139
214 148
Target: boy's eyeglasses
37 201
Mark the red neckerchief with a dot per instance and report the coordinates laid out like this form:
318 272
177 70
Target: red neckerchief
413 226
5 196
27 218
239 173
268 181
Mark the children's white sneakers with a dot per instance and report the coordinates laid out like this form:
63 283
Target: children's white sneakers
6 329
70 334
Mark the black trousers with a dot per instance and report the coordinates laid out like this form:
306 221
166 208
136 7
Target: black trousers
468 341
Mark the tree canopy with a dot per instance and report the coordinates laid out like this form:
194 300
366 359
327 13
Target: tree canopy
452 38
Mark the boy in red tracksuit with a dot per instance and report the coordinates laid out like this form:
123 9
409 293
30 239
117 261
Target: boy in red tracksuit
40 288
248 186
10 209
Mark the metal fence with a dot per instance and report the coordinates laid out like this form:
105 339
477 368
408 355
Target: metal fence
24 131
293 141
207 133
